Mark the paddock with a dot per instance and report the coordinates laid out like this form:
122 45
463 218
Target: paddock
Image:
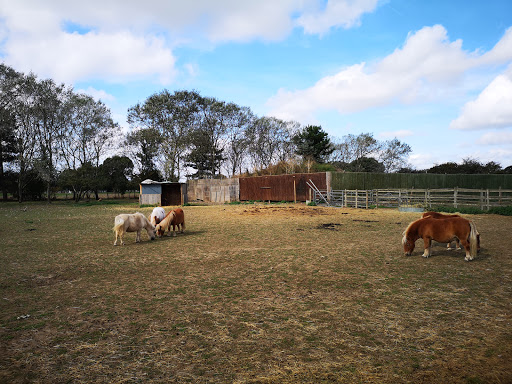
257 293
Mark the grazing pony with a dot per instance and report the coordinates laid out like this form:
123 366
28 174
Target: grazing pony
442 231
132 222
175 218
157 215
437 215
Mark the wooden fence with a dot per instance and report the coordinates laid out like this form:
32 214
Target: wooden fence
483 199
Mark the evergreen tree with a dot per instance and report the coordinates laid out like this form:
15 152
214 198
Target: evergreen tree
313 143
204 156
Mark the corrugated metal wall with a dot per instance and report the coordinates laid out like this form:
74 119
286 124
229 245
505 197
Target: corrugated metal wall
280 187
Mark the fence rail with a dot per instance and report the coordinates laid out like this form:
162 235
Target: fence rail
425 198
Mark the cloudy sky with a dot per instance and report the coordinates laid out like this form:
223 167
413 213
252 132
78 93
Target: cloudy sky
435 74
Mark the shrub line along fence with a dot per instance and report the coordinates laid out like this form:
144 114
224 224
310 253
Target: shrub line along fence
425 198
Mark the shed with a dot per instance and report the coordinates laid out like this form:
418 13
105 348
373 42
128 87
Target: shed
162 193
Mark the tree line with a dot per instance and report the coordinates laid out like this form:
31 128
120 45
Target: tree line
53 138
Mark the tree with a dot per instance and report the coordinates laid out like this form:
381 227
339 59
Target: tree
313 143
145 144
352 148
204 156
366 164
7 146
237 145
208 138
88 135
21 91
173 116
48 110
270 141
393 155
116 172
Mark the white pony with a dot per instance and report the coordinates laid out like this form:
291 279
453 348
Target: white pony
157 215
132 222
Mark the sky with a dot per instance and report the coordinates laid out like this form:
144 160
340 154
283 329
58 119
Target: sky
435 74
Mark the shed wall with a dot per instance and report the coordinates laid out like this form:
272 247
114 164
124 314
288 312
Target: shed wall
213 190
281 187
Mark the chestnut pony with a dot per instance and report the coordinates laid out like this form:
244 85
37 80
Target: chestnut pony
176 217
437 215
443 231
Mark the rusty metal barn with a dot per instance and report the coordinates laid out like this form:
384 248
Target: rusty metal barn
282 187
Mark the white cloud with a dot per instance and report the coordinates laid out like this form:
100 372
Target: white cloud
496 138
398 134
120 40
97 94
491 109
337 13
427 66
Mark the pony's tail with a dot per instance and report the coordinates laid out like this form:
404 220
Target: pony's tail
118 226
473 244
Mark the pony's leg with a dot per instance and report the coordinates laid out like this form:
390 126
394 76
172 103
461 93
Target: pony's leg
465 243
174 230
115 242
428 243
137 238
121 235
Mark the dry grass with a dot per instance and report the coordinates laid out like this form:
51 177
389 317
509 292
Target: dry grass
249 294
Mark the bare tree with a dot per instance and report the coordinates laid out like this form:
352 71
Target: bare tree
270 141
393 155
237 145
173 116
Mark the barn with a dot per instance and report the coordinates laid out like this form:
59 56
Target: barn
162 193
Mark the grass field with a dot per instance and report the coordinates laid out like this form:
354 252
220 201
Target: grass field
249 294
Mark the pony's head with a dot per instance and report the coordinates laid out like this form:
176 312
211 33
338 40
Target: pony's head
408 244
150 228
159 229
151 231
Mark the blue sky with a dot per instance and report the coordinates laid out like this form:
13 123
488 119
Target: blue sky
435 74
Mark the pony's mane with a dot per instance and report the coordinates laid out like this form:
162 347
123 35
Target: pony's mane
406 232
167 219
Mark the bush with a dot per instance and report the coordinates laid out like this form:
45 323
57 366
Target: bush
504 211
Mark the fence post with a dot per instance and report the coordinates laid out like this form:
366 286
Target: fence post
482 200
376 198
488 202
356 197
366 199
499 197
345 198
455 191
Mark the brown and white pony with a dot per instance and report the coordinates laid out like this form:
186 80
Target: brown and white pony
132 222
175 218
442 231
437 215
157 215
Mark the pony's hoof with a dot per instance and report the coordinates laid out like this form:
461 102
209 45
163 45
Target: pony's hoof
468 258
